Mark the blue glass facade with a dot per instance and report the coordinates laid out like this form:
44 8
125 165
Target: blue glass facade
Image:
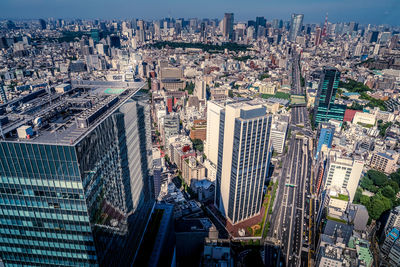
80 204
43 217
325 107
325 138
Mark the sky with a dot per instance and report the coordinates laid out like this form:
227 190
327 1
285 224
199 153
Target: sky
362 11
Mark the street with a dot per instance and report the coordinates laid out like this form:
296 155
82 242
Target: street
291 220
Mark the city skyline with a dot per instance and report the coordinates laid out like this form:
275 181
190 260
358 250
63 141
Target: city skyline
383 12
199 133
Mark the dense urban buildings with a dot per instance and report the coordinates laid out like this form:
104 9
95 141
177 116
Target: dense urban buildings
234 141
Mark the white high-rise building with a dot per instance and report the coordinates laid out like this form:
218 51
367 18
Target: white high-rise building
213 121
243 159
358 50
200 88
342 172
278 134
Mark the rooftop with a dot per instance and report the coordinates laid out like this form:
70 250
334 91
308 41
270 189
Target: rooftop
64 118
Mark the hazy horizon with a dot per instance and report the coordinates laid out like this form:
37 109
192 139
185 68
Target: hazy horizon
362 11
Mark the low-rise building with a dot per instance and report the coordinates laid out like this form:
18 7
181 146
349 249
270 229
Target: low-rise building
192 170
199 130
364 118
384 162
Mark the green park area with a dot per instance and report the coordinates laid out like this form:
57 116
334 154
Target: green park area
297 99
205 47
280 95
384 189
358 87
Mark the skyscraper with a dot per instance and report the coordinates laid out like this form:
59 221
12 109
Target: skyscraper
317 36
325 107
42 23
227 26
214 109
296 23
243 159
373 37
200 89
260 22
76 189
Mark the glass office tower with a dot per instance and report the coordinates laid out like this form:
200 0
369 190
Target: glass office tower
325 107
296 23
78 195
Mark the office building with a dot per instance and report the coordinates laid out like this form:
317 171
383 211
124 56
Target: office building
373 37
192 170
296 23
227 26
243 159
214 109
172 78
343 172
171 126
385 162
364 118
278 134
42 24
390 249
325 107
393 221
326 134
76 189
200 89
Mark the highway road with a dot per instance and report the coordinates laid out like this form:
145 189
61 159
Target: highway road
292 218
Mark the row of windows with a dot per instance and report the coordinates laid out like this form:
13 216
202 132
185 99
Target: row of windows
17 150
46 244
44 260
39 193
38 159
44 215
34 168
41 204
41 182
48 225
46 234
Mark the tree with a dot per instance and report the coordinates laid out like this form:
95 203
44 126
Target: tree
364 200
394 185
366 182
357 195
189 88
396 176
379 178
376 208
388 192
198 145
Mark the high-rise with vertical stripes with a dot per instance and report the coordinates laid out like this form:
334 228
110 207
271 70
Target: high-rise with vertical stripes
243 159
